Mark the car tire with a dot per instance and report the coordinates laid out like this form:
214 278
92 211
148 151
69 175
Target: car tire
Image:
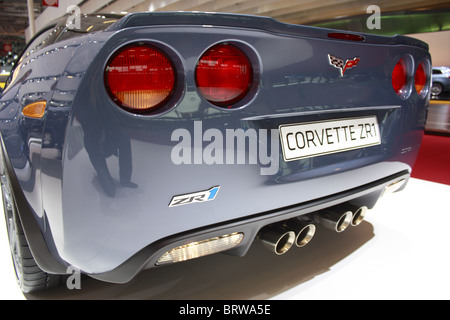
29 276
436 88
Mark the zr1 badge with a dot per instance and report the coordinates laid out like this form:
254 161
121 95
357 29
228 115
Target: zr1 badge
199 196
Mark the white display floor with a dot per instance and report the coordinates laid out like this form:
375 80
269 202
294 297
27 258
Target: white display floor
401 251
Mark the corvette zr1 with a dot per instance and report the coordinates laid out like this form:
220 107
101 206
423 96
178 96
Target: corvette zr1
137 141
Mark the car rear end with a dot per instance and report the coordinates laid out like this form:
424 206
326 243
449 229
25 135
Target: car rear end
252 129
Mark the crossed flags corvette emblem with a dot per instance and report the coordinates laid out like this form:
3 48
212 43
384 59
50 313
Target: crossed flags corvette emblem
341 65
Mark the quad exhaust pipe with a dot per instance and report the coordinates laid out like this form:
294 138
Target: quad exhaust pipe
359 212
304 230
280 237
335 220
340 217
277 238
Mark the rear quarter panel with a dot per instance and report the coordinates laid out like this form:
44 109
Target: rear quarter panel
34 146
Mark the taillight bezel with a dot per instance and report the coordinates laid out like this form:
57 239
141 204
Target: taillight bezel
179 78
256 70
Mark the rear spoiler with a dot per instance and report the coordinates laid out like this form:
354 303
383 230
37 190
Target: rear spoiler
268 24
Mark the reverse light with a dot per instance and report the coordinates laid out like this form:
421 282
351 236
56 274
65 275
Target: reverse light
399 77
224 75
420 78
201 248
140 78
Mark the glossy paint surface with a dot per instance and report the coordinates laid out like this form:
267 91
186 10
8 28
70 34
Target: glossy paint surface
100 179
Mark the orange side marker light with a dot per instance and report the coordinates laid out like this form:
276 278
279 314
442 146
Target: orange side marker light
35 110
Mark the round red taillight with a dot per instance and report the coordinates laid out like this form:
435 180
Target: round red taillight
140 78
399 77
420 78
224 75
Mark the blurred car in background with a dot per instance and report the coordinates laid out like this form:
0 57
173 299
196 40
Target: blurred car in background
441 80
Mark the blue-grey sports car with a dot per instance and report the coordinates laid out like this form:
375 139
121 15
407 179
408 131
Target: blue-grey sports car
138 141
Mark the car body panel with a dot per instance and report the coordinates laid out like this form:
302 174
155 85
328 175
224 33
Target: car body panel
70 163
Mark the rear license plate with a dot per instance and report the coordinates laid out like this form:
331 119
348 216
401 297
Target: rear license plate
312 139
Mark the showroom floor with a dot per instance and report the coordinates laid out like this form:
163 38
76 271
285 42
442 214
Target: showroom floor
399 252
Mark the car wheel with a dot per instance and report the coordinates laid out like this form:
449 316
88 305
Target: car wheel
436 89
30 277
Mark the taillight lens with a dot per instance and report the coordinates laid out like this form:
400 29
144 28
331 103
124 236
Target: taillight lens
399 77
140 78
420 78
224 75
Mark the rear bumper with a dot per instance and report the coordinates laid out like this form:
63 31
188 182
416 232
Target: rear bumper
147 258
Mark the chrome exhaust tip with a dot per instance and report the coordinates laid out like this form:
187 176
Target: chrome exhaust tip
277 238
304 231
358 215
335 220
